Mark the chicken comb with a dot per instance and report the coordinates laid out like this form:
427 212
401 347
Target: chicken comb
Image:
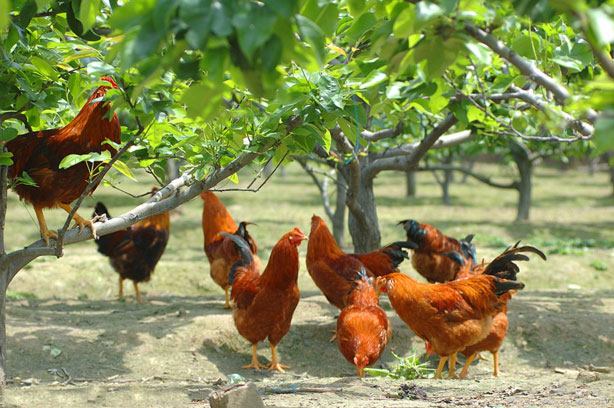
109 79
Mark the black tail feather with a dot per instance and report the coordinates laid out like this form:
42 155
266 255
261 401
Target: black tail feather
456 257
504 267
101 209
246 254
413 230
503 286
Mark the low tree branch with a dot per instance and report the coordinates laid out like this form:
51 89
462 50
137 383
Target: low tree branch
525 67
469 172
443 142
382 134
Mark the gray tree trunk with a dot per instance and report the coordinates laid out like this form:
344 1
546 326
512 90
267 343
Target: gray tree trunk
448 176
364 227
520 155
3 287
410 183
339 214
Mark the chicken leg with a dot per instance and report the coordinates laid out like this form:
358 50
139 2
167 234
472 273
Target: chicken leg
121 287
442 362
138 292
274 364
227 305
452 367
255 363
79 221
495 358
468 362
45 233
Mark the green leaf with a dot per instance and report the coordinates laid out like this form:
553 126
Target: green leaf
199 105
356 7
44 68
198 16
476 114
5 158
7 135
234 178
602 27
425 13
360 26
404 23
73 159
603 137
5 8
124 169
28 10
254 26
88 12
374 78
311 33
480 52
283 7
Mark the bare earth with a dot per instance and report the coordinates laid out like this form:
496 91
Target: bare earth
173 351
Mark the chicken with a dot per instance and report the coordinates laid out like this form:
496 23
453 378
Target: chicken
266 302
220 250
135 251
363 329
448 316
432 257
39 154
333 270
502 266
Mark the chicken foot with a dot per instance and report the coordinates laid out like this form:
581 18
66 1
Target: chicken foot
227 294
45 233
138 292
79 221
468 362
495 358
442 362
255 363
452 367
274 364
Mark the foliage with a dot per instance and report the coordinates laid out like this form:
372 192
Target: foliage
599 265
408 368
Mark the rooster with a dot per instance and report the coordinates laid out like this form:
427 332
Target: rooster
265 302
363 329
39 154
450 316
438 258
219 249
502 266
333 270
135 251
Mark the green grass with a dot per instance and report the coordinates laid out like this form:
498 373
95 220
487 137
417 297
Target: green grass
571 220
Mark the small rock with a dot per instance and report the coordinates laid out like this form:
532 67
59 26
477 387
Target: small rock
236 397
587 376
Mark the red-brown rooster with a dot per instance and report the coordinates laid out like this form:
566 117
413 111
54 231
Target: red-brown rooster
363 329
504 267
448 316
432 258
39 154
135 251
266 303
333 270
220 250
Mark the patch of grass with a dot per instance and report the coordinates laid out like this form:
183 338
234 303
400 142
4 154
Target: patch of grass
599 265
408 368
19 295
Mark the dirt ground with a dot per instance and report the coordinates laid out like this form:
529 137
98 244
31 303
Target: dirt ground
173 351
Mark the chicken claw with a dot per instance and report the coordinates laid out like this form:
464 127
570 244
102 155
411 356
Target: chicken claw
45 233
274 364
79 221
255 363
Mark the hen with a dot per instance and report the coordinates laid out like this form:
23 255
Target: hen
135 251
220 250
432 258
502 266
266 302
448 316
39 154
333 270
363 329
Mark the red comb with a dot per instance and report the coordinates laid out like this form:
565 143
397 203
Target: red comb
109 79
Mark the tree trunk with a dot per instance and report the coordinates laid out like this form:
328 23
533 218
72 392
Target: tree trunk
447 179
520 154
410 182
3 287
339 214
365 229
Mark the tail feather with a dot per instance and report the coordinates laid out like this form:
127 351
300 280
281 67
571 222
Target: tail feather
468 249
396 251
504 267
502 286
456 257
414 231
101 209
245 252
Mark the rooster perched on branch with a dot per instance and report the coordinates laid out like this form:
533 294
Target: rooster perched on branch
39 155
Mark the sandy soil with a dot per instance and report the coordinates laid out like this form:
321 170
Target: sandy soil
173 351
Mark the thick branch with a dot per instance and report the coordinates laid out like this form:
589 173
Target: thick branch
525 67
382 134
409 159
443 142
4 170
353 170
483 179
165 199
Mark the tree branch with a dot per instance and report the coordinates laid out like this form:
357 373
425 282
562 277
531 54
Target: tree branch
382 134
409 159
469 172
353 170
443 142
4 170
525 67
163 200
